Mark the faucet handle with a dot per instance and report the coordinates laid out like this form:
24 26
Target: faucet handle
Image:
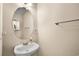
30 39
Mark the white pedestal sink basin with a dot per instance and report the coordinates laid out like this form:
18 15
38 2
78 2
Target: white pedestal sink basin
26 50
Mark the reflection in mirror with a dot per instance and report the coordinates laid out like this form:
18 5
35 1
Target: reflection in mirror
16 25
22 23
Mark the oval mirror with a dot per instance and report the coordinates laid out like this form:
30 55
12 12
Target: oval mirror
22 23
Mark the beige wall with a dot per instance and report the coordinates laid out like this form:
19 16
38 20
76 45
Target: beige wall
60 39
10 39
0 29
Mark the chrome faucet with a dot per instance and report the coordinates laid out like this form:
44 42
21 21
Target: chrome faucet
25 43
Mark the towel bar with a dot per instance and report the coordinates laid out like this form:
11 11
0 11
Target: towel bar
66 21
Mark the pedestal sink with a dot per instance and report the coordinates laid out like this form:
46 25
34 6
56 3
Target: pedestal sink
26 50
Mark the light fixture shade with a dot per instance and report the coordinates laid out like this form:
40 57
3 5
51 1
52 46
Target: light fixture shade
29 4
